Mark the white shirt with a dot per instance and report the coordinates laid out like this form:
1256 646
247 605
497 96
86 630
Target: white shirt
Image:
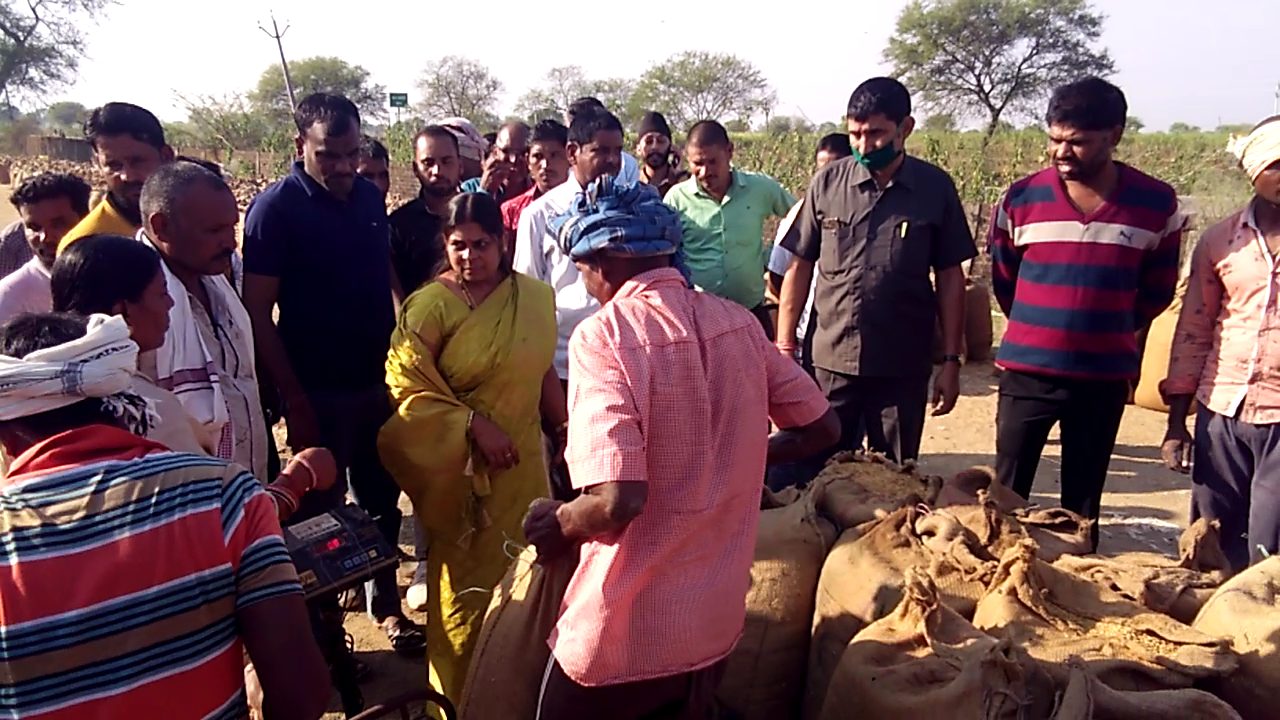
537 254
780 260
26 290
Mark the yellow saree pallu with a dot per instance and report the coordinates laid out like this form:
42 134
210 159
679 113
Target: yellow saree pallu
446 361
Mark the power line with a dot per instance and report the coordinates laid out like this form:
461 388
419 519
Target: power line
275 33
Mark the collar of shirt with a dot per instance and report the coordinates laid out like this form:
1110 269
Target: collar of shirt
662 277
79 446
905 176
316 190
736 180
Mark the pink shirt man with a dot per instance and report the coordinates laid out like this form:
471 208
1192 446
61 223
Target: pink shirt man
670 387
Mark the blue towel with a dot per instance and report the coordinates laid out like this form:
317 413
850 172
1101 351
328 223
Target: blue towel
622 219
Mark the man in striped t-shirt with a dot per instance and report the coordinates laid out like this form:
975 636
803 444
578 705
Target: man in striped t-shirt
132 579
1084 255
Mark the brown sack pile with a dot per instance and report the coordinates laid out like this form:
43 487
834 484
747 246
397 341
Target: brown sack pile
764 679
1177 588
1056 616
1247 609
505 677
925 661
1000 517
857 487
864 577
1088 698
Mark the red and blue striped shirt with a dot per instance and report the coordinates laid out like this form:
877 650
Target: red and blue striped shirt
1077 287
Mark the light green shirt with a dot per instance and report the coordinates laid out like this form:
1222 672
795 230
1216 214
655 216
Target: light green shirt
724 243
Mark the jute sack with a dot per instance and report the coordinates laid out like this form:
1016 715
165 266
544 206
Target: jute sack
1056 616
859 487
1156 349
963 488
925 661
1088 698
1151 580
1177 588
972 496
764 678
978 331
1247 609
505 677
863 578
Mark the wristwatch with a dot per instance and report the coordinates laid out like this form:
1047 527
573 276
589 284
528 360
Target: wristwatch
951 359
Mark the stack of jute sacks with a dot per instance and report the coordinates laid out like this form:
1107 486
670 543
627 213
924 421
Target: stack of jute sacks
880 593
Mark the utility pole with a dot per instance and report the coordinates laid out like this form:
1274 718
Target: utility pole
1275 108
275 33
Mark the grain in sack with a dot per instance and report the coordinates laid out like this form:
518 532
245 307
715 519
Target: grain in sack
859 487
511 655
1056 616
1247 610
764 678
863 579
925 661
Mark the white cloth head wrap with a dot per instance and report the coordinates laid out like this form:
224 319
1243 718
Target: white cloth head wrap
1257 150
98 365
471 144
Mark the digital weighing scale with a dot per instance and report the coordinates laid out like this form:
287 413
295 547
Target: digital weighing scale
337 551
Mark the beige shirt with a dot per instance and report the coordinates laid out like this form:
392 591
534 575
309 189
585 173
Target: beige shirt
1226 348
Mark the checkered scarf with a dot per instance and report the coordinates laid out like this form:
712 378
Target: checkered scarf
621 220
99 365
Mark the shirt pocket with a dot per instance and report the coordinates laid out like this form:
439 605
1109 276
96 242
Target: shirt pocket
840 251
905 247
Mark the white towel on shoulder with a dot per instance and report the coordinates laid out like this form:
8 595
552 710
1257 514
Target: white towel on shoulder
183 364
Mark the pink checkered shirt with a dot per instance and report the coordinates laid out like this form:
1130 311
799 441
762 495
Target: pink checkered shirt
670 387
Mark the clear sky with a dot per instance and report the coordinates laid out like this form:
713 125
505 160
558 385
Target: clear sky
1199 62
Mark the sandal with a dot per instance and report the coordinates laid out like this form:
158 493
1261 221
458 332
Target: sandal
406 638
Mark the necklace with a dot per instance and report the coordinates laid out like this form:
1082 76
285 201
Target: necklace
471 303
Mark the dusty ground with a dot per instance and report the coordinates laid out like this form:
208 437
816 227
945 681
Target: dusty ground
1144 508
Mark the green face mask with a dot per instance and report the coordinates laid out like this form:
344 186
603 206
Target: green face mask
878 159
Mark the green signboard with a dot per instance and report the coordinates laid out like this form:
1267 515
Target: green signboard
399 100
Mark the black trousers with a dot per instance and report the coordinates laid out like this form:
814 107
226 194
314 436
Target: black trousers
890 411
560 486
1088 413
1235 479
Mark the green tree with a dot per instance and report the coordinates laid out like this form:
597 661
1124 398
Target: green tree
1134 124
941 122
562 85
66 116
785 124
42 43
699 85
321 73
227 123
986 58
737 126
1179 128
456 86
1234 128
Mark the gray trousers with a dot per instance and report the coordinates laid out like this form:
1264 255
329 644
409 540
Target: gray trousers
1235 477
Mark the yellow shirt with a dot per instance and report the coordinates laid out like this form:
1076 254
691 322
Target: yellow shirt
103 218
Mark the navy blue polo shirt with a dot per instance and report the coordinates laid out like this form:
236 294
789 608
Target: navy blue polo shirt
333 259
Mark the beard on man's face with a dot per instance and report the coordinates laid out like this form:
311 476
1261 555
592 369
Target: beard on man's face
656 160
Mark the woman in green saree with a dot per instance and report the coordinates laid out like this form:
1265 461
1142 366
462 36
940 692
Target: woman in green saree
470 375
